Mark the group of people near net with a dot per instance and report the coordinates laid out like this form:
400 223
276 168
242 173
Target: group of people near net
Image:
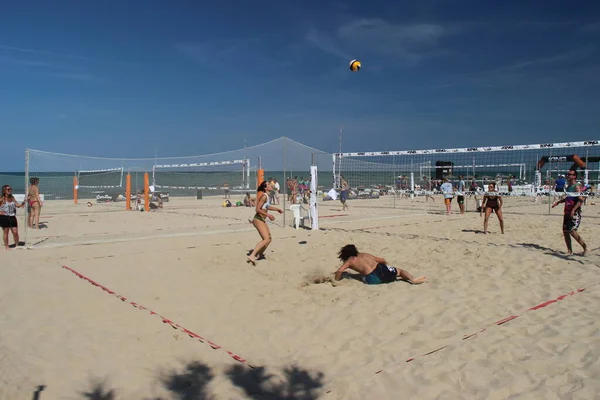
570 192
491 203
375 270
8 211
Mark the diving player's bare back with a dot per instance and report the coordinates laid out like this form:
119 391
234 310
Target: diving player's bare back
373 269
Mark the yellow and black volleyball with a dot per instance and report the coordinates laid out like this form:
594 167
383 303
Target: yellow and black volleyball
355 65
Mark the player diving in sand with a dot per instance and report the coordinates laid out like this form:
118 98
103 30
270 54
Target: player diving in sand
374 270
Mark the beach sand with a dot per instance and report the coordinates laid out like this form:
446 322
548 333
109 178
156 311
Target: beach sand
187 263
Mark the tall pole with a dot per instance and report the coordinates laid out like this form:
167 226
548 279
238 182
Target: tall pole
549 174
25 223
245 169
284 178
339 180
153 168
341 137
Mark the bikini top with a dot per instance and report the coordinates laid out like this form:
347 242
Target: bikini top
267 203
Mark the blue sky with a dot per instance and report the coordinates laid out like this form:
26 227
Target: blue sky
121 78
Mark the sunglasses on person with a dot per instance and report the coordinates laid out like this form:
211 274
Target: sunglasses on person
8 188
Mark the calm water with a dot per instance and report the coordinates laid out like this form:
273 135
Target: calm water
59 185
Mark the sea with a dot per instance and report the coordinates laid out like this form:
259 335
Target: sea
59 185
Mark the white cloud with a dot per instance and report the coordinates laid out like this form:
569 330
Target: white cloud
197 52
577 55
23 62
325 43
543 25
376 30
229 54
77 76
42 52
590 28
410 43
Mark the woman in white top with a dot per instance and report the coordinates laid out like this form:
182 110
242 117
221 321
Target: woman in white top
8 215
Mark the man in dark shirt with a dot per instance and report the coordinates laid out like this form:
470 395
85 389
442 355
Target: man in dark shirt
559 185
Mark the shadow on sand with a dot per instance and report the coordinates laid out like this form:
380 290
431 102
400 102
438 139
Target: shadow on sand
548 251
192 380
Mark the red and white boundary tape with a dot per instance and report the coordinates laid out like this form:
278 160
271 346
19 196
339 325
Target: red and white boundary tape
500 322
164 320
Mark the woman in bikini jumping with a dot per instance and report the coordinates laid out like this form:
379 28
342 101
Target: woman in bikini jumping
492 202
263 206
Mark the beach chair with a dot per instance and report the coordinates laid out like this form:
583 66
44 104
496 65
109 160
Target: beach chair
298 209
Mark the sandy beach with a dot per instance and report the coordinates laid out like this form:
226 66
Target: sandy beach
270 331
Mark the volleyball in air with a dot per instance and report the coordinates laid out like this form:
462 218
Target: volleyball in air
355 65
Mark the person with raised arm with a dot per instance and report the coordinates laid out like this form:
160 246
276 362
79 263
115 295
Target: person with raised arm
572 218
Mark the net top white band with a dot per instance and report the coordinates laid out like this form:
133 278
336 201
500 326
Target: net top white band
473 149
90 171
481 193
203 187
206 164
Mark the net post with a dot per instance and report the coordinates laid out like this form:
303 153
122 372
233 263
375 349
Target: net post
154 173
122 172
585 171
75 188
26 222
395 187
245 185
284 183
549 182
128 192
146 192
333 156
314 212
247 174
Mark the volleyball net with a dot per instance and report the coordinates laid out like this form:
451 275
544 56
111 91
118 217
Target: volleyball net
517 170
75 179
116 184
206 178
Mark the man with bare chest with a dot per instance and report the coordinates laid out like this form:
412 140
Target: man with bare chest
374 270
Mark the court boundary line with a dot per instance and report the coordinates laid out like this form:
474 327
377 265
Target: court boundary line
165 320
134 239
498 323
238 358
373 219
187 234
464 337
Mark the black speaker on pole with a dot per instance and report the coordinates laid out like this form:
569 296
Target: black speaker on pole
443 169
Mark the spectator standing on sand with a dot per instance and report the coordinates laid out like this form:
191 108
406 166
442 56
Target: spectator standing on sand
447 191
460 198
